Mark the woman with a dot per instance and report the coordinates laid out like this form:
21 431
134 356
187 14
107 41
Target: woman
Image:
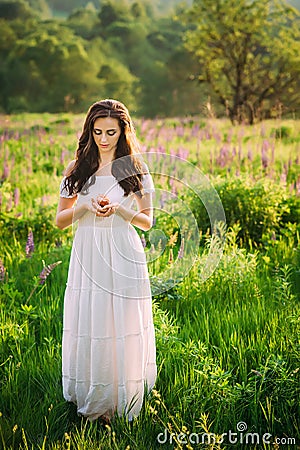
108 346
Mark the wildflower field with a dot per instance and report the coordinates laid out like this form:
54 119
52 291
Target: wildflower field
225 299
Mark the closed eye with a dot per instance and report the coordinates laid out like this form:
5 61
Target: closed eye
109 132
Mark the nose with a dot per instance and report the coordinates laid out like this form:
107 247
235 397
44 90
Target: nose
103 138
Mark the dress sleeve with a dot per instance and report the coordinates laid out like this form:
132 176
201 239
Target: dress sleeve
63 191
147 182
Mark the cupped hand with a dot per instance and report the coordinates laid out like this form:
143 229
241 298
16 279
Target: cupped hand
103 211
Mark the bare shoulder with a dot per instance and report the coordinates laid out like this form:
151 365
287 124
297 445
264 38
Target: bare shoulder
69 167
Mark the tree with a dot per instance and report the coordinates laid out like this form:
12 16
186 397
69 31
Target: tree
83 20
249 54
10 10
112 11
50 70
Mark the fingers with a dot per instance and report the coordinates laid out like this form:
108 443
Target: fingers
104 211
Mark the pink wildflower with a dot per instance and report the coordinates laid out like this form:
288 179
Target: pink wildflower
29 245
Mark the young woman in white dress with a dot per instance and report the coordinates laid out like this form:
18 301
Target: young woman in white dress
108 345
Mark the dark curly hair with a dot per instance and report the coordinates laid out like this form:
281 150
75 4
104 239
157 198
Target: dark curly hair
128 171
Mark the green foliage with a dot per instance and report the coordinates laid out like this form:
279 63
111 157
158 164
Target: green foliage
230 341
282 132
252 65
83 21
36 58
120 50
261 208
41 224
10 10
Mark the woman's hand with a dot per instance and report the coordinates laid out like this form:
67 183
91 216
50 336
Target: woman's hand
103 211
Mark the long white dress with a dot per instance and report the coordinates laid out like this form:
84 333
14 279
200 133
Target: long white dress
108 345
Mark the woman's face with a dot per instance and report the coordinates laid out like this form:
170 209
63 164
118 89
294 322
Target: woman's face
106 133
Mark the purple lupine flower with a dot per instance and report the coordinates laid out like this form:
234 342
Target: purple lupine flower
172 153
183 153
2 271
283 176
180 131
222 159
29 245
6 171
163 199
250 154
9 203
46 271
217 136
143 240
181 249
174 191
16 196
211 160
195 130
229 136
161 149
264 159
273 151
207 133
62 157
44 200
240 152
144 125
298 186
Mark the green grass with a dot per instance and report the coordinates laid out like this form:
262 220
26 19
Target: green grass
227 347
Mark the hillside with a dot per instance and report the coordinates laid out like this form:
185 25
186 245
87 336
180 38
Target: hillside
65 7
159 7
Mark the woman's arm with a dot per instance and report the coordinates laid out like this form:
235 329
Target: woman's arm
67 214
143 218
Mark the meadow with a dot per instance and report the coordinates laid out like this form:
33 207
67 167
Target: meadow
225 299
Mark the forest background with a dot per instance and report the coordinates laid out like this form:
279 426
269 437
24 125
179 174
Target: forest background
162 58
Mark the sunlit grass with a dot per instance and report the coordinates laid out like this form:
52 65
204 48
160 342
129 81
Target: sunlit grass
227 347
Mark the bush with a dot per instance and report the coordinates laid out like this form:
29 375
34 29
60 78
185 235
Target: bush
261 208
42 225
282 132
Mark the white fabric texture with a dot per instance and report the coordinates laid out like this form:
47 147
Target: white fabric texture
108 345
